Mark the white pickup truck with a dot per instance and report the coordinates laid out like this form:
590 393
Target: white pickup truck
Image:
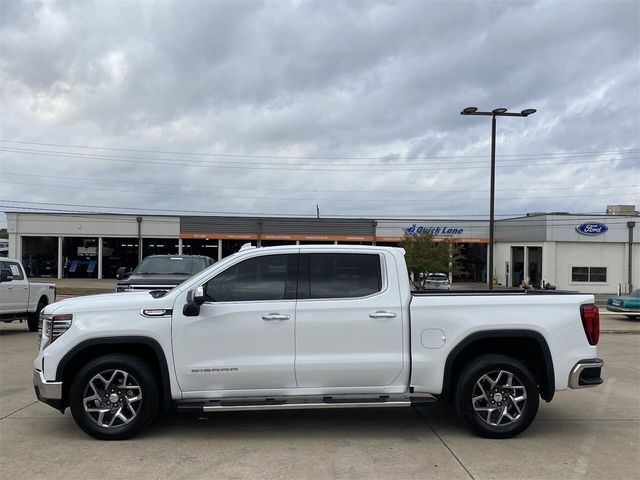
313 327
19 298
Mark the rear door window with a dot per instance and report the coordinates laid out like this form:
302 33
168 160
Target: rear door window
343 275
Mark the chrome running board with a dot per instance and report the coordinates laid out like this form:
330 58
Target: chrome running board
245 405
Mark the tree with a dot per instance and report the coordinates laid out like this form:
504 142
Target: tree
425 254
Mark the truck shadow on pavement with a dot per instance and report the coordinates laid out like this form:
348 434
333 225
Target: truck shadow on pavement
350 423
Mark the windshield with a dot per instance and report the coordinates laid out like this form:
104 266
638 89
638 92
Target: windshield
171 266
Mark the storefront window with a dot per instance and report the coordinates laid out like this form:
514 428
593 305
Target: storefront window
208 248
589 274
118 252
598 274
159 246
80 257
40 256
229 247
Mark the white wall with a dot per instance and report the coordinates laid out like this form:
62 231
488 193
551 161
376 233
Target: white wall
610 255
87 225
559 257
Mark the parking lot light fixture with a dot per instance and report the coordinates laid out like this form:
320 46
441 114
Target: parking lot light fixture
496 112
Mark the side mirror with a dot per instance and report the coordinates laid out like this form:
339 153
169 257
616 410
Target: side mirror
6 276
122 273
198 295
195 298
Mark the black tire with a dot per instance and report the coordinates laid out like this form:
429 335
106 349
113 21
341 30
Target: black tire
34 318
498 411
141 412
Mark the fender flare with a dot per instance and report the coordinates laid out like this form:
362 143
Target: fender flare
161 358
547 390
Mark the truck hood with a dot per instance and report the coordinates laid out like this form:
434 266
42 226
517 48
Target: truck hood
153 280
126 301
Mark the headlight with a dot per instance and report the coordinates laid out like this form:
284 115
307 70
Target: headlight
51 327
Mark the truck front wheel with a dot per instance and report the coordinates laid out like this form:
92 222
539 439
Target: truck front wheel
497 396
114 397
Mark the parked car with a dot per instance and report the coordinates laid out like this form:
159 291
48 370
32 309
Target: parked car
626 304
161 272
314 326
436 281
19 298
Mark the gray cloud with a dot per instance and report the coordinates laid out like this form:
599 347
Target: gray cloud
321 79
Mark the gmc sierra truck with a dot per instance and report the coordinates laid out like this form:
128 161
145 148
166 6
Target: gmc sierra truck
313 327
19 298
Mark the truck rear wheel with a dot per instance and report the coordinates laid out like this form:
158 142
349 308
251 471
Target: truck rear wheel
34 318
114 397
497 396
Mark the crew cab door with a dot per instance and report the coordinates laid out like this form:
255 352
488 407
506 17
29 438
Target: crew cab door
243 336
14 294
349 328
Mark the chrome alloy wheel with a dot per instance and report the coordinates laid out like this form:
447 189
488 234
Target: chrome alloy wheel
499 398
112 398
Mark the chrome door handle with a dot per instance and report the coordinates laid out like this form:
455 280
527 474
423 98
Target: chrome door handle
381 314
10 287
275 316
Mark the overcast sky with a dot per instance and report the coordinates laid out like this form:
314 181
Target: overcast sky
273 107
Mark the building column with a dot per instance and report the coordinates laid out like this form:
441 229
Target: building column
13 245
60 259
140 252
526 262
219 249
179 246
489 275
19 248
99 258
549 263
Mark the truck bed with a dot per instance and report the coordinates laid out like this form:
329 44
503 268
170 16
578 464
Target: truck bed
453 293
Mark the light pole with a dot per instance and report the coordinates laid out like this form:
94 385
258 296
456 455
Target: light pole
497 112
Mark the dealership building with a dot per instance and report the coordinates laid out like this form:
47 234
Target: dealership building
589 253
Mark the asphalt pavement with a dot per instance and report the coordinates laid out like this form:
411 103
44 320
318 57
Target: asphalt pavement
582 434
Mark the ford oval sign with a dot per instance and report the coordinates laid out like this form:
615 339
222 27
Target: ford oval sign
592 229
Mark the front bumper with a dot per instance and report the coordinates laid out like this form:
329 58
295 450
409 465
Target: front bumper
586 373
48 392
614 308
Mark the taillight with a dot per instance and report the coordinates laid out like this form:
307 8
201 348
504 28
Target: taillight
590 315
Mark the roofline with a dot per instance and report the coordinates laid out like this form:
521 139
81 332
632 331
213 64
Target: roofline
311 217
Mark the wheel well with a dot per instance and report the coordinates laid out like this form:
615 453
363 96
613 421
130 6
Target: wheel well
71 364
531 349
46 300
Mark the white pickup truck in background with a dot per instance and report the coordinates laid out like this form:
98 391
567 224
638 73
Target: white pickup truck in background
19 298
313 327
